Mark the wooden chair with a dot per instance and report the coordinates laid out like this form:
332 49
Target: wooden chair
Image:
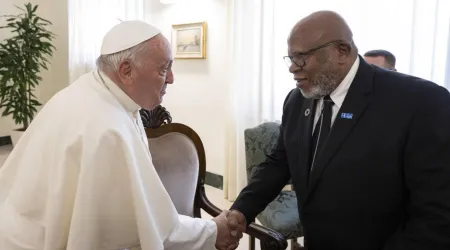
179 158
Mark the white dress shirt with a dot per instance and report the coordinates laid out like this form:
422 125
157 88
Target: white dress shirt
338 95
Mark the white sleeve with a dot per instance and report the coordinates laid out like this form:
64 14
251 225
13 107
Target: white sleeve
192 233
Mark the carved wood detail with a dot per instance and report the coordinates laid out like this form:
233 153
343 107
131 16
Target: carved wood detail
155 118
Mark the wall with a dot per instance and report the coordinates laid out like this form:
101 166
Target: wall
57 76
199 96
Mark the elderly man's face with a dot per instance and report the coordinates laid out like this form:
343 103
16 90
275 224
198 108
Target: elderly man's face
150 79
315 66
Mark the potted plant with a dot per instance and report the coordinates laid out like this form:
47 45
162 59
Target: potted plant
22 57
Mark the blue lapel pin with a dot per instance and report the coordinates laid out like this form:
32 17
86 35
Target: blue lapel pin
347 116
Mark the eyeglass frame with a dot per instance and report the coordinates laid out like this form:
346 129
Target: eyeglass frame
308 53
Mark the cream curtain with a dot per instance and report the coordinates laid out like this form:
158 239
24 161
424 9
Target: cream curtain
250 38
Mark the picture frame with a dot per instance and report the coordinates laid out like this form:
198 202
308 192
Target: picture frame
189 40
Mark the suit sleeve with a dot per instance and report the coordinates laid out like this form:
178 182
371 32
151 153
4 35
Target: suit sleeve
427 176
267 182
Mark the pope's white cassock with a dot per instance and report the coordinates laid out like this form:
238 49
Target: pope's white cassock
82 178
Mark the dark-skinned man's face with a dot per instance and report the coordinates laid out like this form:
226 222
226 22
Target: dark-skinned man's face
319 75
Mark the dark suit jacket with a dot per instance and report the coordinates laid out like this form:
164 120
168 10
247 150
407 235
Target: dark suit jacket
382 180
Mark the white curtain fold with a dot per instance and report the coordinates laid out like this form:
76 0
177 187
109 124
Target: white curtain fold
415 31
250 32
89 20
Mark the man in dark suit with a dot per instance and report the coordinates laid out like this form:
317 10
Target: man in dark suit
368 150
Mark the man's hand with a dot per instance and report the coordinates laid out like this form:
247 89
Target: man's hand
225 240
236 223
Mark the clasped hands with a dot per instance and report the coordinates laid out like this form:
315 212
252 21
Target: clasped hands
230 227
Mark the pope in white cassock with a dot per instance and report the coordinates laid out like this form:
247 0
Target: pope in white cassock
82 178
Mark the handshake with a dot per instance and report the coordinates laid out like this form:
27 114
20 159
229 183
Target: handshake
230 226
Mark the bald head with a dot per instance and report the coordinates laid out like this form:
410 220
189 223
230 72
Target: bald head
321 53
321 27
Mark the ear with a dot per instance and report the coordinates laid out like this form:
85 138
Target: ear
124 71
344 50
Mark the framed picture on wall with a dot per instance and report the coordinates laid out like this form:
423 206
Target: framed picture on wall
189 40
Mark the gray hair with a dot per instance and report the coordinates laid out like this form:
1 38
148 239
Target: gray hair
111 62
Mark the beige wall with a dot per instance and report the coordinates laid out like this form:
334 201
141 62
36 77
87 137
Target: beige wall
57 76
199 97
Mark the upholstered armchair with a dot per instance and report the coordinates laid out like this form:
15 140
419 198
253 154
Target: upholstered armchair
281 214
179 158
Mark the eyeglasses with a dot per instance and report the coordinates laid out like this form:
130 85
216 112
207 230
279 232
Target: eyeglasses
300 58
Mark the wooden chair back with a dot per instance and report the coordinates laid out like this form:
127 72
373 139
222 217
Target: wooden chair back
179 158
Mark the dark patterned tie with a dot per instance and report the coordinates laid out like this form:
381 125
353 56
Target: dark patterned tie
322 129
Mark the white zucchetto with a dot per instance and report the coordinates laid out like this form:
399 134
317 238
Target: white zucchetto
127 34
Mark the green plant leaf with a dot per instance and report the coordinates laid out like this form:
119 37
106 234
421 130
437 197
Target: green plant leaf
7 111
45 21
22 57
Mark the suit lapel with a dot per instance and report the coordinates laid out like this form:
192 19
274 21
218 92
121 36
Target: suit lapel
355 103
306 121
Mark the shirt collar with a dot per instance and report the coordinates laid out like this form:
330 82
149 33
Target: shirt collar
121 96
338 95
